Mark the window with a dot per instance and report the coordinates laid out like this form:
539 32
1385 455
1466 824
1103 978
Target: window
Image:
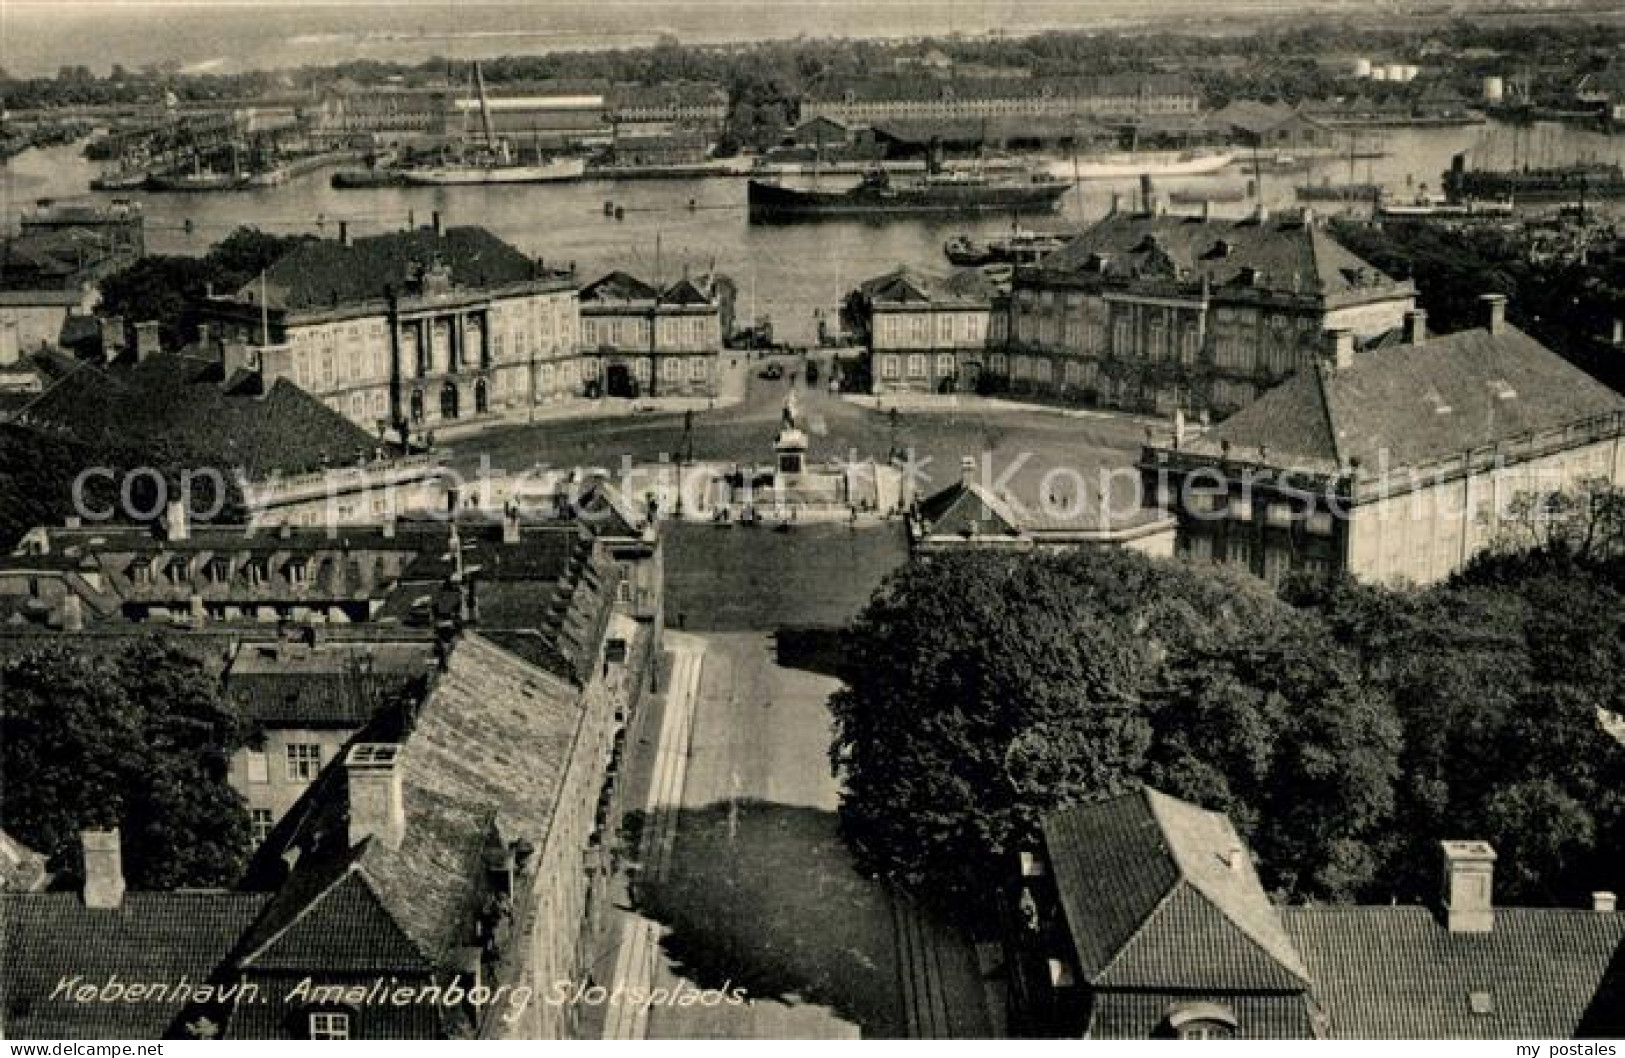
916 366
258 767
304 761
697 369
261 821
945 365
329 1026
671 369
888 367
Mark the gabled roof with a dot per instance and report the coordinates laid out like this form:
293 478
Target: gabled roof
157 938
173 402
1161 894
1415 404
905 285
21 868
1387 973
326 273
618 286
487 757
1280 254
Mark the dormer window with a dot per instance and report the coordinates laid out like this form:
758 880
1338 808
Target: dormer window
1201 1021
218 571
254 572
295 571
176 572
141 572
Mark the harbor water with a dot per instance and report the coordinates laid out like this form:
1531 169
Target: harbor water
785 272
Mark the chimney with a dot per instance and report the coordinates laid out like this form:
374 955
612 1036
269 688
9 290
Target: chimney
112 328
437 225
205 334
1602 902
1146 194
510 523
1179 427
344 233
377 803
104 869
1495 312
1117 203
1207 210
1340 341
1261 214
146 339
1416 326
387 527
73 613
967 470
1469 871
175 527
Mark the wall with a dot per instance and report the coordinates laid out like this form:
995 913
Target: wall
1424 536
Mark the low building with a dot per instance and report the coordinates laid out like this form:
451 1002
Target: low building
650 341
1142 916
866 101
926 333
1273 126
1152 311
642 109
1034 508
449 721
409 330
50 271
287 456
1397 465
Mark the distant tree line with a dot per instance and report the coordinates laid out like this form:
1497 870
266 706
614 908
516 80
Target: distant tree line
1345 729
1568 304
1272 62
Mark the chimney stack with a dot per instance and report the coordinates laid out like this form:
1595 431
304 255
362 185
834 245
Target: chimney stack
437 224
1603 902
1117 203
73 613
1495 312
1340 340
1207 210
175 527
967 470
1416 326
112 328
1179 427
146 339
510 523
344 233
377 801
1619 332
1469 874
104 869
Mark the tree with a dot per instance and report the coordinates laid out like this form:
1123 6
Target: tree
985 690
140 741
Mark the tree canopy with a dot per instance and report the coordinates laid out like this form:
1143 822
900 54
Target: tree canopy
139 740
986 689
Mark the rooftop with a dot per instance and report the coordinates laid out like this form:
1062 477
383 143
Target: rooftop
1410 405
1289 255
159 938
185 404
328 273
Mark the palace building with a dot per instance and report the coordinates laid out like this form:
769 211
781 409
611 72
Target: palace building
411 329
1396 465
1152 311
